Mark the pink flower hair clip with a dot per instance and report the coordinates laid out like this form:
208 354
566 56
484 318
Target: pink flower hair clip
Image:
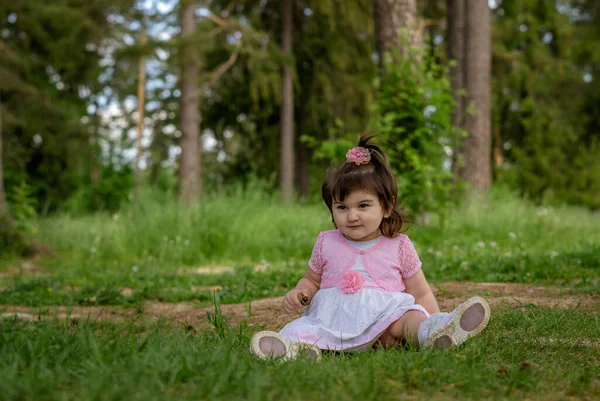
358 155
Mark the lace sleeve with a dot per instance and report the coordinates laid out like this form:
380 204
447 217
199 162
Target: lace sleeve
409 259
316 261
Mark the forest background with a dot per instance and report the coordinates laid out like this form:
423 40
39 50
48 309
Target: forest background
98 98
160 173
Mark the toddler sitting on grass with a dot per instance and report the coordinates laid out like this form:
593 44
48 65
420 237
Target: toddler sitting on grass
364 285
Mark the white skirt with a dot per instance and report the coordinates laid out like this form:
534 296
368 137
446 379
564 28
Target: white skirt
349 322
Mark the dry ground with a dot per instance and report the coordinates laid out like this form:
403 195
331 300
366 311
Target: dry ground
268 313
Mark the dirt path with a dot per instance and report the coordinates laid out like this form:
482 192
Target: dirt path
268 313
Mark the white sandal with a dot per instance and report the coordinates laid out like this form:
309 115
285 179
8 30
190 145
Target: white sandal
466 321
271 345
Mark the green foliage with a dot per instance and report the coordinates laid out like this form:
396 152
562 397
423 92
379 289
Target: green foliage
543 89
23 203
333 72
17 229
109 194
49 64
331 149
414 108
72 71
9 239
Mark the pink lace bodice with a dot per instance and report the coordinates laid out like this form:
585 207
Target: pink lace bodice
388 262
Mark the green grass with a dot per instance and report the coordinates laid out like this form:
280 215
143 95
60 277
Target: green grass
146 246
238 287
511 360
527 352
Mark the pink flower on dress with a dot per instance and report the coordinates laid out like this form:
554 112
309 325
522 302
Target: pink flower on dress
351 282
358 156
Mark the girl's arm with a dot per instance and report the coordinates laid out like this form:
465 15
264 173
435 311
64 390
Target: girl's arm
308 285
418 287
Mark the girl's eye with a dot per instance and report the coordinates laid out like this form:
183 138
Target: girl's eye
363 205
341 207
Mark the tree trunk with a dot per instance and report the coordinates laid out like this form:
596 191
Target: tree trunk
140 123
303 153
287 106
456 52
95 155
498 152
303 170
306 78
477 151
220 137
189 168
3 204
391 16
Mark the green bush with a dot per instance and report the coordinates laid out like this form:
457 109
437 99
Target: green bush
7 235
414 107
17 229
108 194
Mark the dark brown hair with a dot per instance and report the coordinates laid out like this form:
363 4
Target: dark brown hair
375 177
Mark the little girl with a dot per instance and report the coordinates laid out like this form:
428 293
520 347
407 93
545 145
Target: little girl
364 285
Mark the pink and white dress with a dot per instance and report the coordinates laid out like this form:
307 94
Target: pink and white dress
352 315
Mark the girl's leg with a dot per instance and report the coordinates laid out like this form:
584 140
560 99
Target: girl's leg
441 329
444 330
403 330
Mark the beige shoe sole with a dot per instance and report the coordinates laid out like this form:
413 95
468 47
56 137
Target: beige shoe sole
470 318
271 345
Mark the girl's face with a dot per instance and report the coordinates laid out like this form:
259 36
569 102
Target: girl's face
359 216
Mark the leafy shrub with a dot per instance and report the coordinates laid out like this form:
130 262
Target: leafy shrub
17 229
414 107
108 194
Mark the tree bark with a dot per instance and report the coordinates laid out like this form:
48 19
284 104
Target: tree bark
456 52
303 160
498 152
190 162
477 151
140 123
220 137
306 78
287 106
391 16
95 154
3 204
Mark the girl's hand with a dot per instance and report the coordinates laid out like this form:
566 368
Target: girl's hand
293 300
